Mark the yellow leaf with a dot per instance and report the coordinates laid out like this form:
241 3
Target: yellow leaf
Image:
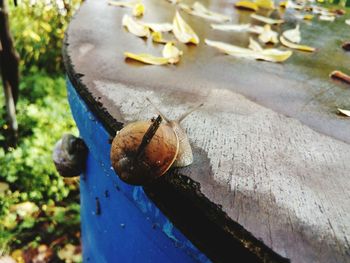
347 21
201 11
267 20
268 36
171 53
272 55
34 36
246 5
266 4
158 37
344 112
283 4
308 17
228 27
138 10
135 27
147 58
293 35
159 27
286 43
182 31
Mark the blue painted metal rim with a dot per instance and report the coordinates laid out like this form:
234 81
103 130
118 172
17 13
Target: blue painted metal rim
97 139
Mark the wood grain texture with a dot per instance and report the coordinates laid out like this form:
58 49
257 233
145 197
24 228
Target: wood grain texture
277 154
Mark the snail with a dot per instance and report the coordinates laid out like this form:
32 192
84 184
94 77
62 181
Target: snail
145 150
69 155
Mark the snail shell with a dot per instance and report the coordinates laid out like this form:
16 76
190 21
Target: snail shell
157 158
144 150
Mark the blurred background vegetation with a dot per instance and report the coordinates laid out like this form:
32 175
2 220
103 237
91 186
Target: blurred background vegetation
39 211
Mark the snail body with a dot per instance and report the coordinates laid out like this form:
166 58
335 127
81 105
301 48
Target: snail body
145 150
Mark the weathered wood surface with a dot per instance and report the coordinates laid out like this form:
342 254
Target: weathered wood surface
276 155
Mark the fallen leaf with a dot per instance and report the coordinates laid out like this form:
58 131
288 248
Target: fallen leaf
266 4
135 27
344 112
272 55
268 36
230 27
182 31
158 38
138 10
159 27
292 5
293 35
267 20
200 10
7 259
308 17
329 18
171 53
122 3
44 254
254 45
247 5
146 58
289 44
70 254
24 209
338 75
4 187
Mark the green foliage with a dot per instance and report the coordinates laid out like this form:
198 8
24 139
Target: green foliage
43 115
43 118
38 29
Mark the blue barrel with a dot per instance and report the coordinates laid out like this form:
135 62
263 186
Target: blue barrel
119 222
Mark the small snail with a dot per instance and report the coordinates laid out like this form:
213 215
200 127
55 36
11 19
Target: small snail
144 150
69 155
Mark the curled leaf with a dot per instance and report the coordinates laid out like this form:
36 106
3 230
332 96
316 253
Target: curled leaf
344 112
293 35
266 4
135 27
159 27
146 58
268 36
289 44
338 75
272 55
171 53
228 27
247 5
138 10
267 20
200 10
182 31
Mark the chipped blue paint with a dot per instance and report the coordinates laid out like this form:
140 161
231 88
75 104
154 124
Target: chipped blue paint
168 230
130 227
